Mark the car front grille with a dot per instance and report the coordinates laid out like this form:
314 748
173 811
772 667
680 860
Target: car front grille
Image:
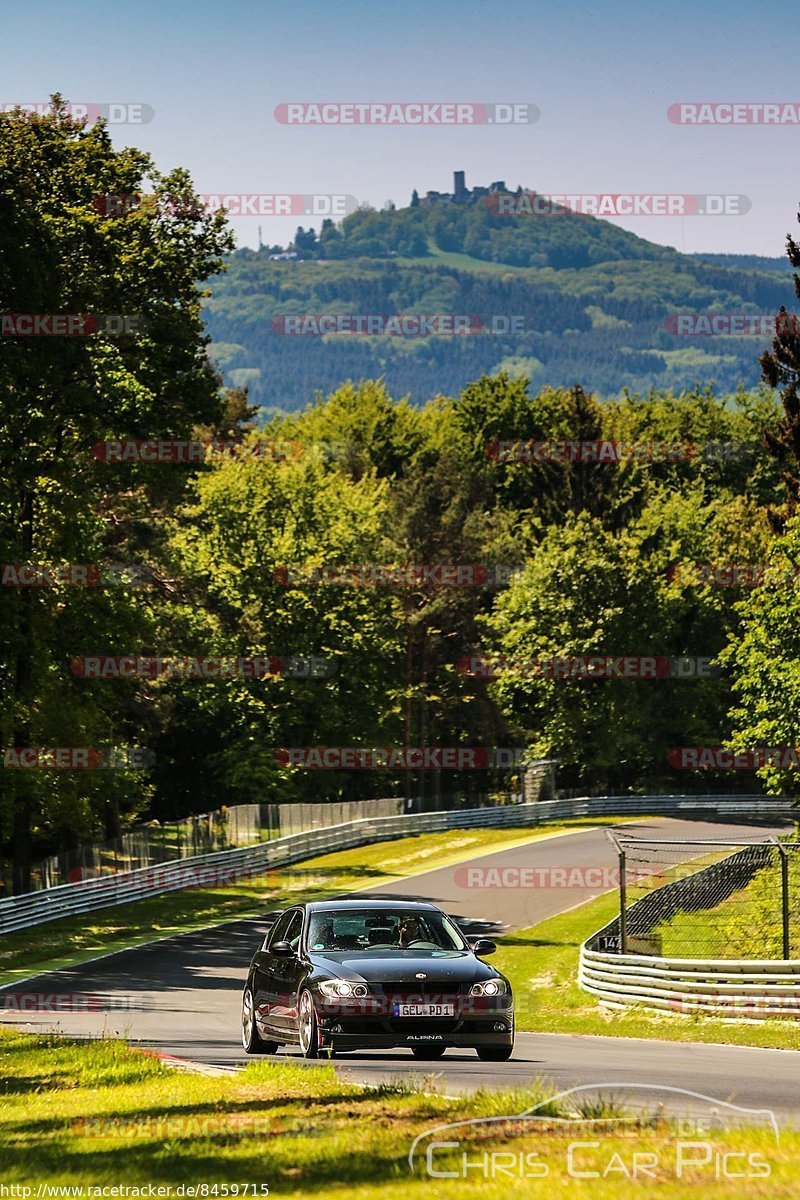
422 1024
420 987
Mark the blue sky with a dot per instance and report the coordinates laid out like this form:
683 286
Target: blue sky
603 76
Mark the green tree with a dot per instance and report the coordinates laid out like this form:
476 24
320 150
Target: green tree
593 591
64 249
253 524
764 660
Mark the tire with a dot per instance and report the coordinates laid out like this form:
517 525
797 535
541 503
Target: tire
251 1038
428 1052
494 1053
307 1027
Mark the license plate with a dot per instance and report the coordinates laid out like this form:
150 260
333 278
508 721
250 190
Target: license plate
424 1010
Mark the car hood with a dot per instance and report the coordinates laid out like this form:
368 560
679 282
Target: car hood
449 966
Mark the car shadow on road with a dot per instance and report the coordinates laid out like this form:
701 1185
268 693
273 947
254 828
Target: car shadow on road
213 959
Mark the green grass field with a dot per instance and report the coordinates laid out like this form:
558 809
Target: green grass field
99 1115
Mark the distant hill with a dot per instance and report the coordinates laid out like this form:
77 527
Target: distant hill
571 297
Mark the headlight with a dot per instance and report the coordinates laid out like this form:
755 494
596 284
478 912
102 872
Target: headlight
492 987
337 988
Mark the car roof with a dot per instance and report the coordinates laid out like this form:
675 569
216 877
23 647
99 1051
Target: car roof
367 902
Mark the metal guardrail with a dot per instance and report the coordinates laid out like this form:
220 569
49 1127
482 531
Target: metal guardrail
719 987
228 866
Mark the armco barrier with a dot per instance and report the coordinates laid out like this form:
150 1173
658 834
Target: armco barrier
720 987
89 895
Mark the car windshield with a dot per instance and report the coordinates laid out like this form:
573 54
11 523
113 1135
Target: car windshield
383 930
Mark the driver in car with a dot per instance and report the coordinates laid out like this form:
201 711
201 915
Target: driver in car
409 932
326 938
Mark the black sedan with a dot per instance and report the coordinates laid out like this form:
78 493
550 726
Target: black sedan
375 974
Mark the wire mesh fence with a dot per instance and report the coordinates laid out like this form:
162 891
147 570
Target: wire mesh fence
707 899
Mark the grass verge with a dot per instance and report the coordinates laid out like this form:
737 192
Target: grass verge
99 1115
73 940
542 964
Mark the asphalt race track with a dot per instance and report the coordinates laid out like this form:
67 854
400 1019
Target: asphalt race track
181 996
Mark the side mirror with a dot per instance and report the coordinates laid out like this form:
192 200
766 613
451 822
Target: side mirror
483 946
282 950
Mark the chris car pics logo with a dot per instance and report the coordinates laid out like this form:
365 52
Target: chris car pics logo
663 1133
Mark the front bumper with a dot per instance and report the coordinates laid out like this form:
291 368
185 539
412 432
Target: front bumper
466 1041
491 1025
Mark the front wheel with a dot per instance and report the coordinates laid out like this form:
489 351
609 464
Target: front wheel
251 1038
428 1052
495 1053
308 1027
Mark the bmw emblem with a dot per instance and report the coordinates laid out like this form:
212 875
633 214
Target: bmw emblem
420 975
